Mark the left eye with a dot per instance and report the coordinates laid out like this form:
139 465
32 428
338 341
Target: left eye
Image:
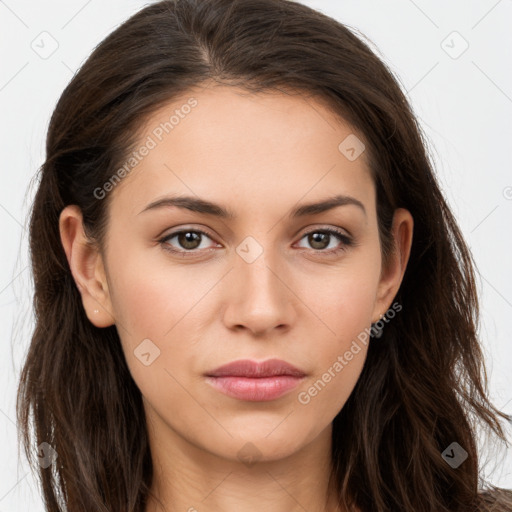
319 237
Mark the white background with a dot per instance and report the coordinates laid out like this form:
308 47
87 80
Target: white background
464 105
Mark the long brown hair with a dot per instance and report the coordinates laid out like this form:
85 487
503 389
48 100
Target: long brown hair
423 385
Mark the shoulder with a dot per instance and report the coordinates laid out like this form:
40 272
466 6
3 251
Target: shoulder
495 500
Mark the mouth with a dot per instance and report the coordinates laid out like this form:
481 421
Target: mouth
255 382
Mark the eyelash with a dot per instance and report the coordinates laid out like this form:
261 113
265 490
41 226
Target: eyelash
346 240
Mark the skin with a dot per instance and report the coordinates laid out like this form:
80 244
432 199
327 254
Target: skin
260 156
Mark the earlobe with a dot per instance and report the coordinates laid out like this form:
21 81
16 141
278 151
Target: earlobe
392 275
86 264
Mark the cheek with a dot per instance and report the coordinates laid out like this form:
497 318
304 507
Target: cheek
339 356
325 394
345 306
151 295
157 310
346 299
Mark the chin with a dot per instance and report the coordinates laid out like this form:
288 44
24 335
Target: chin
257 445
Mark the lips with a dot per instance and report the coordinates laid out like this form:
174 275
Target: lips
255 382
253 369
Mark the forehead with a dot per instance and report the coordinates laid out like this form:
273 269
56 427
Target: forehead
254 150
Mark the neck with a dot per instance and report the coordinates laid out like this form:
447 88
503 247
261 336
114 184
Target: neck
189 478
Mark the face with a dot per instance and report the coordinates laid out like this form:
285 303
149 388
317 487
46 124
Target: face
190 290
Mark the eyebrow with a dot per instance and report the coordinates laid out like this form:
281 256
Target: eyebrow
199 205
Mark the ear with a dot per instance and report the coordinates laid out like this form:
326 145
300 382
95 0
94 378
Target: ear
86 264
392 275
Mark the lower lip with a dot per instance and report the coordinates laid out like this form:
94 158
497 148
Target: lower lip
260 389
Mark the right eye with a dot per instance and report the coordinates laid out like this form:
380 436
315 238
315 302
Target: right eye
189 240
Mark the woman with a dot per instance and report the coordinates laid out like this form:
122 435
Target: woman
250 292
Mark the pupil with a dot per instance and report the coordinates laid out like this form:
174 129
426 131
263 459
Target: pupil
319 238
189 239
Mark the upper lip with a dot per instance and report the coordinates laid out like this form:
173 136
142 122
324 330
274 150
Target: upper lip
248 368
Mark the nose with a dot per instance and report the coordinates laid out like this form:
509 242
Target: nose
259 298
